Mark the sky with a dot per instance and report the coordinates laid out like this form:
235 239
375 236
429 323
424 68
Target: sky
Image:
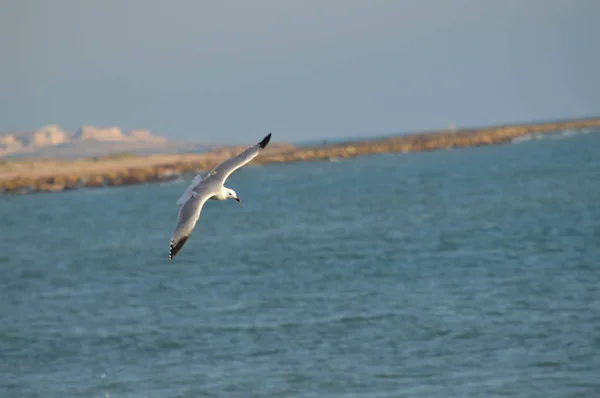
229 71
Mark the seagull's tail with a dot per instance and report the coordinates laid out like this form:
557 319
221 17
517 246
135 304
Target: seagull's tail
176 246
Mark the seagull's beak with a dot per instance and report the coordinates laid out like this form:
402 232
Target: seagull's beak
238 199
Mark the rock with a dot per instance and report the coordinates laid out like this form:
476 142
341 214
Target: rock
95 181
138 176
47 187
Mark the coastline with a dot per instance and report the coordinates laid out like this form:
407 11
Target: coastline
35 176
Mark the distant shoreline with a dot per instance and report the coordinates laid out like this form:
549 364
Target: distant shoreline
34 176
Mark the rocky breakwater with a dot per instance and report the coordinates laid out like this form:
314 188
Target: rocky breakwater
74 180
426 141
17 177
32 176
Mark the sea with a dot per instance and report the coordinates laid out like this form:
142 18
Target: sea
453 273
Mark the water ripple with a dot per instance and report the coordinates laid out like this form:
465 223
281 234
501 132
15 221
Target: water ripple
456 273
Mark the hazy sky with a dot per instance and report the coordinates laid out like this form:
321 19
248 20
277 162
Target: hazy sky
229 71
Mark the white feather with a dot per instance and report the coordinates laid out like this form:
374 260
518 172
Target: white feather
188 192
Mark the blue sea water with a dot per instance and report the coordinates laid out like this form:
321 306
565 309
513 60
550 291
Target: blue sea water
460 273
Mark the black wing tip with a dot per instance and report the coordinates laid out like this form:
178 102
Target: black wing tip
175 247
265 141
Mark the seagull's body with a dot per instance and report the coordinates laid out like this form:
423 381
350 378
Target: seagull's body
204 187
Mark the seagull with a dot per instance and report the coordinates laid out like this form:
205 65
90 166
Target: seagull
208 186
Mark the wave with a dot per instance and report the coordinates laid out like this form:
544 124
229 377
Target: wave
560 135
345 319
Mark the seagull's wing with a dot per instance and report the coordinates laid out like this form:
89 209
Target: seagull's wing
189 213
188 192
224 170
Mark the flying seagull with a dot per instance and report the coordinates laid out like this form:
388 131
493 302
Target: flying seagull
205 187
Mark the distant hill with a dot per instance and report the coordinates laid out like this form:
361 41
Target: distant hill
52 141
114 134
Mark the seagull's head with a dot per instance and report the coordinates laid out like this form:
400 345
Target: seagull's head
231 194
